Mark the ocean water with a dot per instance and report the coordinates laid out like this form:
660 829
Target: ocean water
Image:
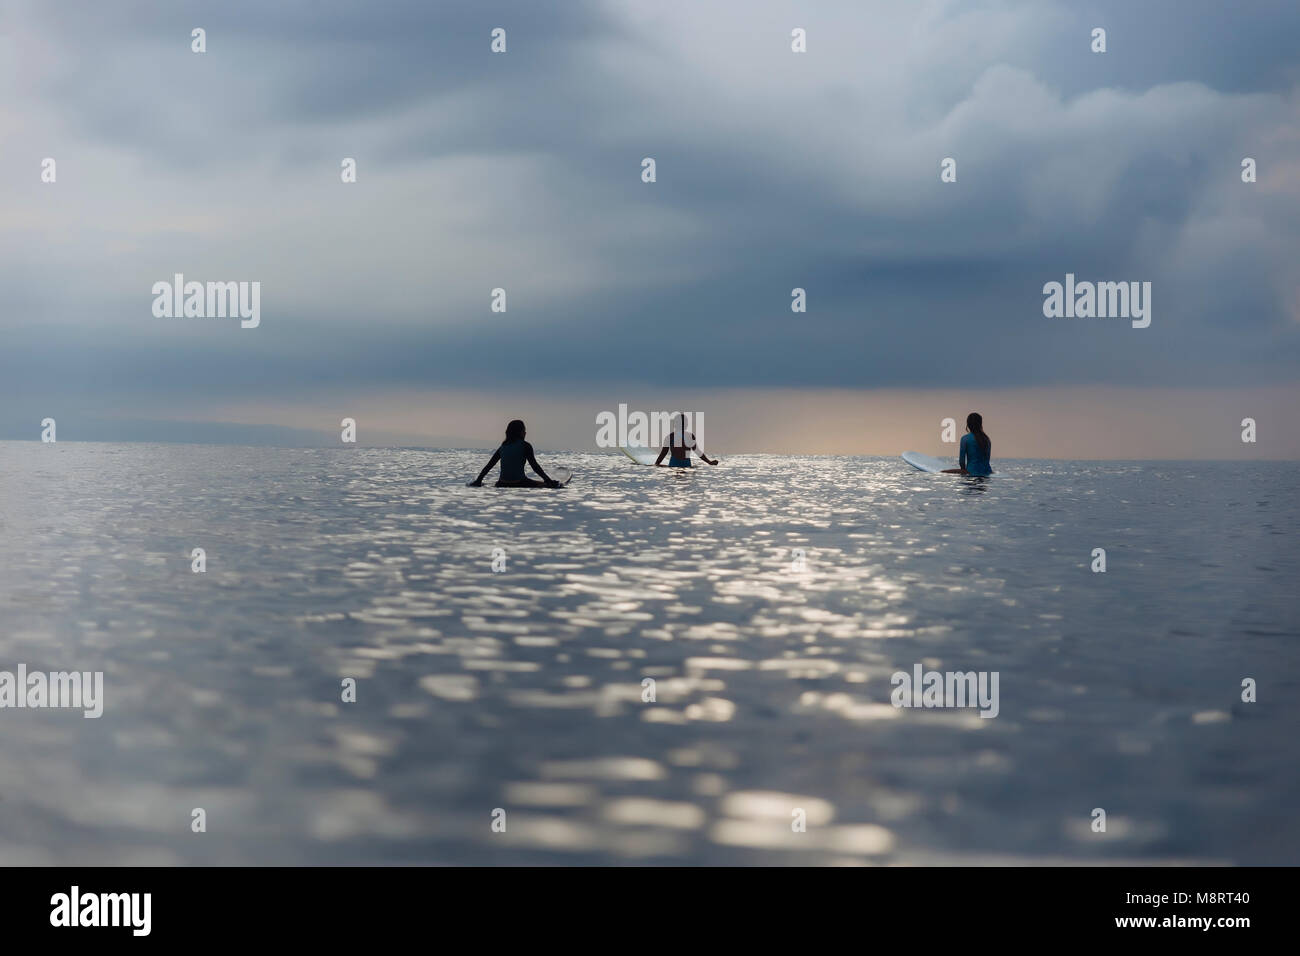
518 695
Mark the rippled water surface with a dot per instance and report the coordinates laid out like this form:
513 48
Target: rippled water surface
522 691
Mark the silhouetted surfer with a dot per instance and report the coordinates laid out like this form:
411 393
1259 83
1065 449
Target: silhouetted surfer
512 454
678 446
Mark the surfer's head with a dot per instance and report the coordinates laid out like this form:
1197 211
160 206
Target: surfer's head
515 430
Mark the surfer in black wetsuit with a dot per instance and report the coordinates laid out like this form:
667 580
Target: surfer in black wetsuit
678 446
512 454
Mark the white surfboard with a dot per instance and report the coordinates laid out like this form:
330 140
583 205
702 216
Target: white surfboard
640 455
927 462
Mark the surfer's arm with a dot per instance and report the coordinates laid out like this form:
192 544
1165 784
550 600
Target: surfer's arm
532 461
662 452
700 451
496 457
961 458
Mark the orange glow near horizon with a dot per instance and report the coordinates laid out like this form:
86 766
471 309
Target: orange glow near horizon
1089 422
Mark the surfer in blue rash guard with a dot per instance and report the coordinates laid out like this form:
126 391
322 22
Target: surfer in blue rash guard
678 446
975 450
512 454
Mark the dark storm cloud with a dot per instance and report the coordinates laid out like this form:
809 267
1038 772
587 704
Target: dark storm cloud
774 172
126 70
1246 47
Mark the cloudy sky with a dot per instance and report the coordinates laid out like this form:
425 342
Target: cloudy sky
775 170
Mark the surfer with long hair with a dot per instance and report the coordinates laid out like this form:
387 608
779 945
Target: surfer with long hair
513 454
975 449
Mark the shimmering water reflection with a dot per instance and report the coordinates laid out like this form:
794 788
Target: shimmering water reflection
770 738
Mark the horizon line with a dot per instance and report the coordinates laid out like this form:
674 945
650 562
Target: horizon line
576 451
